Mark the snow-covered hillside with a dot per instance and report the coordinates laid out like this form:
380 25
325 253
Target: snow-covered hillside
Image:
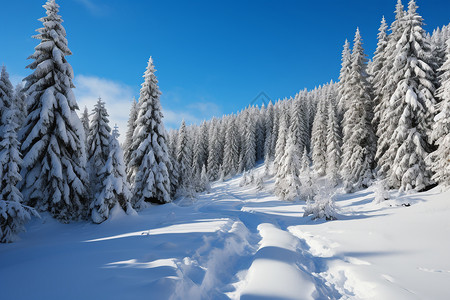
238 243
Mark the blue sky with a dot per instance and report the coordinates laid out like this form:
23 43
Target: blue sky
212 57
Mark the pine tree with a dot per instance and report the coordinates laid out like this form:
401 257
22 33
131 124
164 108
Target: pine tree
385 86
412 108
359 139
287 183
85 121
131 126
200 157
53 147
6 93
231 150
344 77
13 214
183 157
269 119
319 138
249 142
174 174
440 159
333 146
298 125
280 147
20 105
98 142
114 188
150 162
213 154
377 70
204 180
260 132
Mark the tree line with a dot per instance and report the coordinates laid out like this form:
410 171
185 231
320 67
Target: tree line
386 120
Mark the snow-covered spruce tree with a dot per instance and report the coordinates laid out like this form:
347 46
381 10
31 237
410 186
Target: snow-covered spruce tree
260 131
20 105
231 150
298 126
439 160
204 180
319 139
385 85
183 157
359 139
287 182
131 126
52 138
333 146
98 140
249 142
269 119
377 75
412 108
344 76
323 207
213 153
6 93
274 135
149 161
280 147
85 121
13 214
200 155
114 188
174 174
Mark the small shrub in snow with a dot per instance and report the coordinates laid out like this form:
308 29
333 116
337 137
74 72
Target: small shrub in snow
244 180
381 192
259 183
323 206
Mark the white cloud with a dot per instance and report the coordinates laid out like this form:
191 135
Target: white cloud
94 8
116 95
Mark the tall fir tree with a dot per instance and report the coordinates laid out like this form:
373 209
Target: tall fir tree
282 136
344 80
231 150
411 108
200 155
6 93
20 105
13 214
213 153
319 138
287 182
183 157
249 141
114 188
298 125
439 160
150 162
358 139
333 145
377 71
131 126
385 86
53 138
98 140
85 121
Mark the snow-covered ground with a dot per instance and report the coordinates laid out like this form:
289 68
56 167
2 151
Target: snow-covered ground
241 244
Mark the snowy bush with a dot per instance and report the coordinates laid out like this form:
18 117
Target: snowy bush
323 206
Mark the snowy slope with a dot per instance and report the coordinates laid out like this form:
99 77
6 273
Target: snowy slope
241 244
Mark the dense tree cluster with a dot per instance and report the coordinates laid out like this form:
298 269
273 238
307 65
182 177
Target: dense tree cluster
385 121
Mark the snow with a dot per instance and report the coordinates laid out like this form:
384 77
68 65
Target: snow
240 243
